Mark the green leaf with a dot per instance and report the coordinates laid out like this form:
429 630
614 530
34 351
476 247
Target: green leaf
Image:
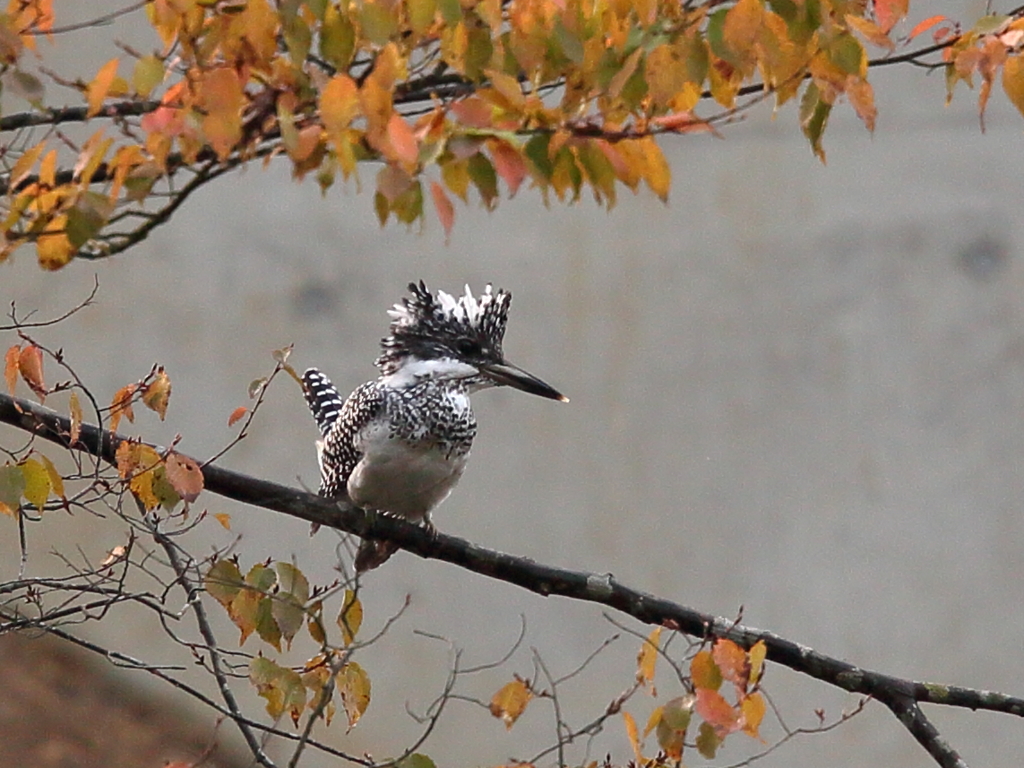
814 114
223 581
482 174
12 484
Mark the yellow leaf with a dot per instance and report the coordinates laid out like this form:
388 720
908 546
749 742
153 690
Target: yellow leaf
339 104
1013 81
23 165
54 251
350 618
37 483
757 655
148 74
646 659
48 169
704 672
224 519
752 709
99 88
510 701
137 463
157 392
657 173
56 481
633 736
354 685
742 25
12 483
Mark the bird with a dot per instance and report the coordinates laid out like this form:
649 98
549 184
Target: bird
399 443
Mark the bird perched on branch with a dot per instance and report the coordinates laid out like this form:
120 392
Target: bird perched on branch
399 444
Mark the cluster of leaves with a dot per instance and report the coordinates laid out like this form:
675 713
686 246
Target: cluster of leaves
274 601
445 96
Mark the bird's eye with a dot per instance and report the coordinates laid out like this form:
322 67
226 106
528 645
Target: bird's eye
468 347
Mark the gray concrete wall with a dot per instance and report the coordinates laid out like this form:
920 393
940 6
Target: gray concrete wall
795 388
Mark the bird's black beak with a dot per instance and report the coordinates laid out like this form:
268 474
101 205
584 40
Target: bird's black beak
508 374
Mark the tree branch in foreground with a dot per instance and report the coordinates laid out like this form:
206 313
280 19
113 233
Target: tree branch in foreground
901 696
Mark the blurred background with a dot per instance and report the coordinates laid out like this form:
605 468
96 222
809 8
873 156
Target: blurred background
796 388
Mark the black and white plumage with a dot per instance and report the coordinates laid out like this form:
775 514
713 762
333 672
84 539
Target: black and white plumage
399 444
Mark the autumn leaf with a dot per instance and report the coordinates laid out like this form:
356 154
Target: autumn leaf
121 405
282 688
646 658
923 26
350 617
732 662
100 86
633 736
354 685
184 475
236 415
443 206
11 367
888 12
223 581
30 365
224 519
510 701
714 709
37 482
137 463
752 709
157 393
757 656
75 409
12 484
704 673
56 481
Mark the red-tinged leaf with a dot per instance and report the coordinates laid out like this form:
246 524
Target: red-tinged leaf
923 26
732 662
862 99
30 365
121 405
473 112
684 122
100 86
888 12
11 367
236 415
403 142
157 393
224 519
510 702
184 475
443 206
646 658
704 673
633 736
871 31
222 100
713 707
76 418
509 164
753 709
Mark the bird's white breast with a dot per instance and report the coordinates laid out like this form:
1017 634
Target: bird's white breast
402 477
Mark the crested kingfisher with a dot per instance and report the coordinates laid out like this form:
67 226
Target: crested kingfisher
399 444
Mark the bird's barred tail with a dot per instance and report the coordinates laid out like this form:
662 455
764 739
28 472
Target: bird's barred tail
323 399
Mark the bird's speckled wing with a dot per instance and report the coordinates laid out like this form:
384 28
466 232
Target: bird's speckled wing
339 422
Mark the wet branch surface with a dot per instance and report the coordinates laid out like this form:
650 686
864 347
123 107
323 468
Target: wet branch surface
901 696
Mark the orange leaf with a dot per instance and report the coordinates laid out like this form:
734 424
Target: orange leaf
924 26
222 100
184 475
30 364
403 142
888 12
237 414
157 393
713 707
339 103
121 405
11 367
731 661
444 207
224 519
510 701
99 88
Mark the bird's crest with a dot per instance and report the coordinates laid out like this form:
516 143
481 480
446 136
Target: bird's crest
426 324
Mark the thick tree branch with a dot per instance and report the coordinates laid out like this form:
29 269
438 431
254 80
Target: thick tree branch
899 695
